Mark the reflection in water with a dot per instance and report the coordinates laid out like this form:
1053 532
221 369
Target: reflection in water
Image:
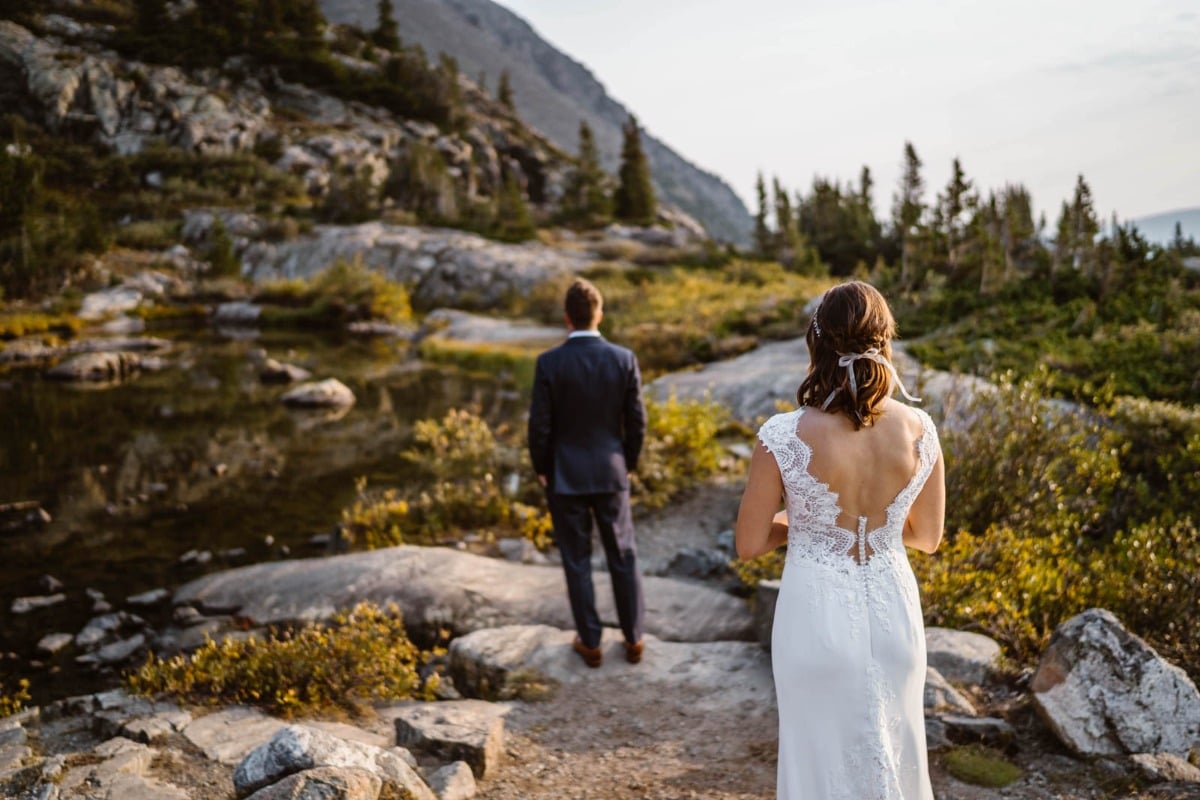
201 456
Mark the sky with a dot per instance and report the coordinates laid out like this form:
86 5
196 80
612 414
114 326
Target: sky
1022 91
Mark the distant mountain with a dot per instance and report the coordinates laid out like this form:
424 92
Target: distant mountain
1161 227
553 93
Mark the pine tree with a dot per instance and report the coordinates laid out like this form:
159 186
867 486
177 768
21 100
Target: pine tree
764 246
907 209
1075 244
634 200
513 222
951 206
504 92
585 200
1020 235
866 185
790 246
385 34
222 259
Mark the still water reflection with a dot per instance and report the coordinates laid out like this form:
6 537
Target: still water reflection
201 457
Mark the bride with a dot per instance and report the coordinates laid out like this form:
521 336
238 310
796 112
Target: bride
861 477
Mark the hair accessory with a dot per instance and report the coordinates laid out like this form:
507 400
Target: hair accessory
816 325
847 360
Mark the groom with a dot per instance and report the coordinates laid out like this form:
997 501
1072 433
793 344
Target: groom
586 426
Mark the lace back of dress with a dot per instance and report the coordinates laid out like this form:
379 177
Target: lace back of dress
815 535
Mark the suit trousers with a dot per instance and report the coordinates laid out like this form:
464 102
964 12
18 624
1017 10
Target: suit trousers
573 515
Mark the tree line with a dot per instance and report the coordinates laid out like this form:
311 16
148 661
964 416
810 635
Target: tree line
961 238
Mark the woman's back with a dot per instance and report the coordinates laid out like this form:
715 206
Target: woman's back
865 469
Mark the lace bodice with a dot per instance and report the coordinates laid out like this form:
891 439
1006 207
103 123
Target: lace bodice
814 534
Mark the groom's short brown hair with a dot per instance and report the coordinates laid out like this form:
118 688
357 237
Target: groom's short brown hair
583 304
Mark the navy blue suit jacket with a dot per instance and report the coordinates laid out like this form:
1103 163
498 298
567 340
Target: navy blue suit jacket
586 421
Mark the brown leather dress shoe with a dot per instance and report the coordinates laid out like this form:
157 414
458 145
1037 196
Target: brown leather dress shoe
592 656
633 652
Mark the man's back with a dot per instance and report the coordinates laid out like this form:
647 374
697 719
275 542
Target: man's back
586 421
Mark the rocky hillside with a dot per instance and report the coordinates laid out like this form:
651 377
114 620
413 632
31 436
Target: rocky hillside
553 92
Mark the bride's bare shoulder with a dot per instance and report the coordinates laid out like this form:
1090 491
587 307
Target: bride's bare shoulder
912 419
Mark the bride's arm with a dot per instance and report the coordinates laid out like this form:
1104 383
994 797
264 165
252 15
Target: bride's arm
758 530
926 519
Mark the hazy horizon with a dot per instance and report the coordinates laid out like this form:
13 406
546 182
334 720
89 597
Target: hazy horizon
1023 92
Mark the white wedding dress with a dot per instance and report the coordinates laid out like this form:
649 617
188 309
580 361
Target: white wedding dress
848 646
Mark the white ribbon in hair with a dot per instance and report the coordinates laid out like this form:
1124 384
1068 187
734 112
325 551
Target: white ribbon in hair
847 360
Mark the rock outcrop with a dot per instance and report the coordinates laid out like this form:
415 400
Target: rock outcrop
442 588
444 267
752 385
1104 691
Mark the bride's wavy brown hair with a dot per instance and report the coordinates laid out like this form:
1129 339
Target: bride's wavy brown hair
852 318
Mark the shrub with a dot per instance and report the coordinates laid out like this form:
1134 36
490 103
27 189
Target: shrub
22 323
361 656
461 459
680 316
1023 462
14 703
681 449
149 234
492 357
344 292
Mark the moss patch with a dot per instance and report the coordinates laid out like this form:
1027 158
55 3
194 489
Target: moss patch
981 766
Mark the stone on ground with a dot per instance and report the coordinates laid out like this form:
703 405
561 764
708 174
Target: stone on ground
297 748
456 730
324 783
1158 767
329 393
1104 691
453 782
940 695
961 657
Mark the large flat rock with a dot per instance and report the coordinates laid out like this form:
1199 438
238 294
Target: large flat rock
438 587
495 662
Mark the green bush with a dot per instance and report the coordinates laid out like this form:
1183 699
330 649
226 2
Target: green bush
462 463
14 703
679 316
344 292
680 451
1023 462
361 656
149 234
515 360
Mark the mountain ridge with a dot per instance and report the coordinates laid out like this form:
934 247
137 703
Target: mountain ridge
553 92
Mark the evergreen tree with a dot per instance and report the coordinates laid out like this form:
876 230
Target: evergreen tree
634 200
763 242
951 207
222 259
1019 233
907 209
866 185
450 97
987 224
1177 241
504 92
513 222
385 34
1075 246
585 200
